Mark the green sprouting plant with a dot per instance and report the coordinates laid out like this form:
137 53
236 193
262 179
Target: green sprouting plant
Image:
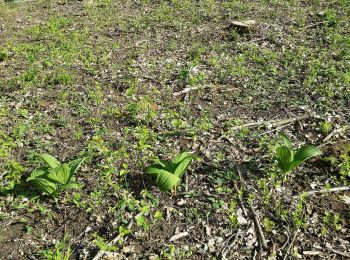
344 166
3 55
288 158
168 173
57 176
62 251
326 127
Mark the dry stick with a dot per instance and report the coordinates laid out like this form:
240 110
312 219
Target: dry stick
338 252
240 200
275 129
186 182
336 189
189 89
234 241
253 213
329 142
330 135
291 244
100 254
273 123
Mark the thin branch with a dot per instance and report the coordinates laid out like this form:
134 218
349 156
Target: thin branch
291 244
316 24
335 142
232 243
338 252
189 89
272 123
330 135
254 215
313 192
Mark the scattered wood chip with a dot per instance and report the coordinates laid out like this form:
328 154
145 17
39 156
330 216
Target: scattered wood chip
247 24
346 199
312 253
178 236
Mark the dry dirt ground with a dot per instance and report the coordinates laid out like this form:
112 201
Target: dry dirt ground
126 82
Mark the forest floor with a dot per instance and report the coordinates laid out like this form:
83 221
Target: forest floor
126 82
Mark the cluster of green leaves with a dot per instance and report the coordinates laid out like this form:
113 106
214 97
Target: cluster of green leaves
56 176
289 158
168 174
62 251
345 164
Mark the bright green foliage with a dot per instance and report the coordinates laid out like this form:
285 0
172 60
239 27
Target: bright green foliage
62 251
57 176
168 173
345 165
288 158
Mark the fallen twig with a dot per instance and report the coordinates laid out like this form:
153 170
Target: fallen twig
291 244
335 142
316 24
233 242
101 253
272 123
313 192
254 215
338 252
330 135
189 89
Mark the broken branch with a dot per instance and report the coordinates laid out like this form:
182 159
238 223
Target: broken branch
254 215
313 192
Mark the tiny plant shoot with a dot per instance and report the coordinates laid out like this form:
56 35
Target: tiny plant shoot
288 158
56 176
168 174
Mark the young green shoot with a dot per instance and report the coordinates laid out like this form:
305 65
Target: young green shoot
288 158
168 174
56 176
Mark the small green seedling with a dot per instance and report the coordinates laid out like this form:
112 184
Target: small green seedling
57 176
288 158
168 173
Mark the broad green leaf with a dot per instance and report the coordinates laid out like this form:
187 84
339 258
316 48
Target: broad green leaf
182 156
71 185
49 159
60 174
37 173
166 180
75 164
294 164
284 157
45 185
182 166
286 140
306 152
166 165
155 169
